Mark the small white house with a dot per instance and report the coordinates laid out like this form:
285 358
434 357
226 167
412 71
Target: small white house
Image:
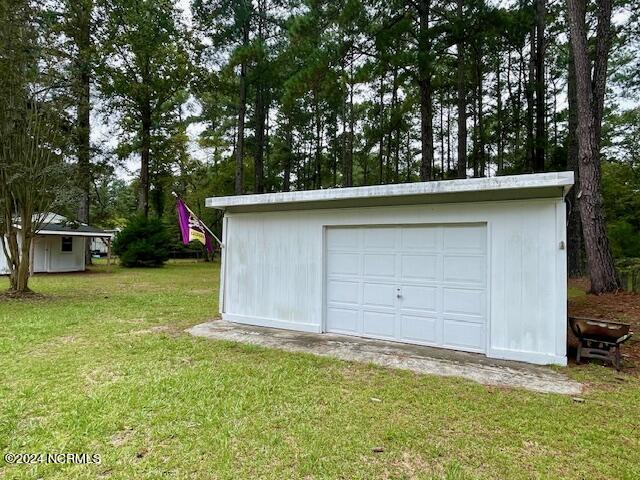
477 265
59 246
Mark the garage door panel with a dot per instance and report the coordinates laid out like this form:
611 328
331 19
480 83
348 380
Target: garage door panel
343 239
464 269
343 291
379 238
420 238
419 298
378 324
419 267
463 335
343 320
343 264
461 301
465 238
378 295
419 329
439 271
379 265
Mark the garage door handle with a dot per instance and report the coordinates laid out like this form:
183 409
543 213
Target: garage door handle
398 293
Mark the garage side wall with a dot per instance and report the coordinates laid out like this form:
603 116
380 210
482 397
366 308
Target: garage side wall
274 268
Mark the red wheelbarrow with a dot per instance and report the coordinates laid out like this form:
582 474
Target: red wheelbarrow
600 339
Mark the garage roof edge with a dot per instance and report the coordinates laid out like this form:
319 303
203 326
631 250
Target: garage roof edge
561 180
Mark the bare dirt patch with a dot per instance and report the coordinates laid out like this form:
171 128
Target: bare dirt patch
156 329
412 465
51 346
171 330
122 437
101 376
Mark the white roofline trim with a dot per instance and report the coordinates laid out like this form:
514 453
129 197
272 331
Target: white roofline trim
563 180
61 233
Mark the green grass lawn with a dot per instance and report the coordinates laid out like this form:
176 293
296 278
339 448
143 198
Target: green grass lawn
101 365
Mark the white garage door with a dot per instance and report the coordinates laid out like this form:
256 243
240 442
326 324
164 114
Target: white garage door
416 284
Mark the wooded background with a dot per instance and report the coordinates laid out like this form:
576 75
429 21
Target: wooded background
221 97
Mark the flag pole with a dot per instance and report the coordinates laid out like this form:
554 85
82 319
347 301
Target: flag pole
203 224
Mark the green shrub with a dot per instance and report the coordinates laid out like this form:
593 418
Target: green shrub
143 243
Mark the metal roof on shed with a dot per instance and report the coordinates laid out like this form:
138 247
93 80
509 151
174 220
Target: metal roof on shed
54 224
513 187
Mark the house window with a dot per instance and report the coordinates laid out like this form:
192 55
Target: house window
67 244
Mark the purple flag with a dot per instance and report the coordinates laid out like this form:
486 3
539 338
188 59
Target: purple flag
192 227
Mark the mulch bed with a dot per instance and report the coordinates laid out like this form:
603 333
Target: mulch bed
622 307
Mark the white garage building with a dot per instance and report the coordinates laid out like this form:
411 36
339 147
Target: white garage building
477 265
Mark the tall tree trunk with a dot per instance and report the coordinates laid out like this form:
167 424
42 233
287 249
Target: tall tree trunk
260 144
461 97
426 91
381 123
517 139
392 135
448 135
83 105
318 147
575 246
441 135
474 130
409 156
510 107
267 139
286 182
23 272
334 153
481 133
590 95
396 156
348 161
242 100
530 147
261 111
555 115
145 159
82 37
499 133
16 246
242 107
541 110
426 129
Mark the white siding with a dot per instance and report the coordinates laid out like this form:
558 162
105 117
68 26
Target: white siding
3 263
60 261
274 264
40 254
48 256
